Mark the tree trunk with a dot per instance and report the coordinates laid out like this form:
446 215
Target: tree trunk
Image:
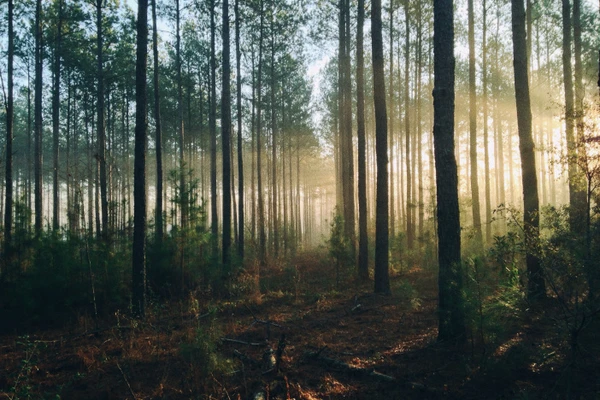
261 207
536 285
238 60
473 130
214 223
38 119
138 299
576 194
8 205
381 280
226 137
409 198
363 239
158 212
55 120
484 83
450 307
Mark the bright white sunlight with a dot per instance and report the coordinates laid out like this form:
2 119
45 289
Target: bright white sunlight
299 199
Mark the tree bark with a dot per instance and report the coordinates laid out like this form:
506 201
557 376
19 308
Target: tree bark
8 205
476 209
101 155
363 240
381 280
138 299
450 307
536 285
226 137
238 60
158 212
38 120
55 119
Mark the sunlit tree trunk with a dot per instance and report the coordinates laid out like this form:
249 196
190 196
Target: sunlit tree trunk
536 285
450 307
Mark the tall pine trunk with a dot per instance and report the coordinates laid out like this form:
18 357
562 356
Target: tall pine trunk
381 280
450 304
138 299
536 285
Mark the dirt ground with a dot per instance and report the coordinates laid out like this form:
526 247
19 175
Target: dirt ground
328 341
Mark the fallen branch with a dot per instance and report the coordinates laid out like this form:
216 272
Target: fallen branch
363 372
243 342
126 381
245 359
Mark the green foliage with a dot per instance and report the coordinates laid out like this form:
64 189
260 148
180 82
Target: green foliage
340 249
203 355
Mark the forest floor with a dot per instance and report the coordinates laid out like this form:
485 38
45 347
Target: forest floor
328 342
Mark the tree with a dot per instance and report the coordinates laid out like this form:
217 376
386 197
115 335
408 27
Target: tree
38 119
363 240
214 223
473 128
536 285
101 135
238 61
450 308
226 136
8 205
381 279
158 212
56 116
141 128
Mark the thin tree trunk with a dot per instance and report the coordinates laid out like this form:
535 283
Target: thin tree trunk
486 149
38 119
409 198
214 224
238 59
55 120
158 212
363 240
8 205
476 209
138 300
226 138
